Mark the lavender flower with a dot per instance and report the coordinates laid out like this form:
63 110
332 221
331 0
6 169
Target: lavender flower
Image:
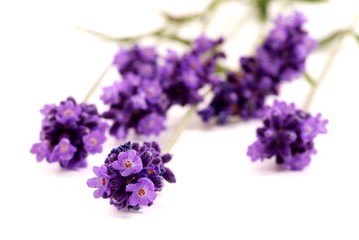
280 58
100 181
63 151
128 163
288 135
143 192
183 76
131 175
141 61
282 55
93 141
69 133
151 124
139 104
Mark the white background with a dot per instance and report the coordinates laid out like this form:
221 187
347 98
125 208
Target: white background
220 194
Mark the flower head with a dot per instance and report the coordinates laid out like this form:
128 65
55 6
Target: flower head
100 181
128 163
281 57
68 111
69 132
143 192
131 175
141 61
286 137
183 76
151 124
140 104
93 141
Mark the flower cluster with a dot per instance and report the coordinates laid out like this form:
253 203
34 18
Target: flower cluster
148 89
69 132
135 103
183 76
131 175
280 58
287 135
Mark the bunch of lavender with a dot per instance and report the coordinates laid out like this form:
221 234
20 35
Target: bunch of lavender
135 103
280 58
131 175
183 76
288 135
69 132
148 89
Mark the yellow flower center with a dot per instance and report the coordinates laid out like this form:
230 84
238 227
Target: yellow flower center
141 192
128 163
64 148
67 112
93 141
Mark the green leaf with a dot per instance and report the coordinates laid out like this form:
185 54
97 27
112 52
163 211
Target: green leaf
262 8
331 37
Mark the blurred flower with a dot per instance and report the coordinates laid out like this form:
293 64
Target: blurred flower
283 53
281 57
141 61
183 76
136 103
288 135
69 133
131 175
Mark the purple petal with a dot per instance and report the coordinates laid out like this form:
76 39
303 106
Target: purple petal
133 199
131 154
131 187
116 165
94 182
151 195
99 192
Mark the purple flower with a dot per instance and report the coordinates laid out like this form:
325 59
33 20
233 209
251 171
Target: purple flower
110 94
286 137
136 97
256 151
100 182
68 111
138 102
151 90
191 79
280 58
151 124
203 44
141 61
63 131
285 50
182 77
312 127
128 163
63 151
93 141
132 174
143 192
41 150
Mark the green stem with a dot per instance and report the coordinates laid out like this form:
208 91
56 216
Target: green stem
183 124
309 79
327 67
96 84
